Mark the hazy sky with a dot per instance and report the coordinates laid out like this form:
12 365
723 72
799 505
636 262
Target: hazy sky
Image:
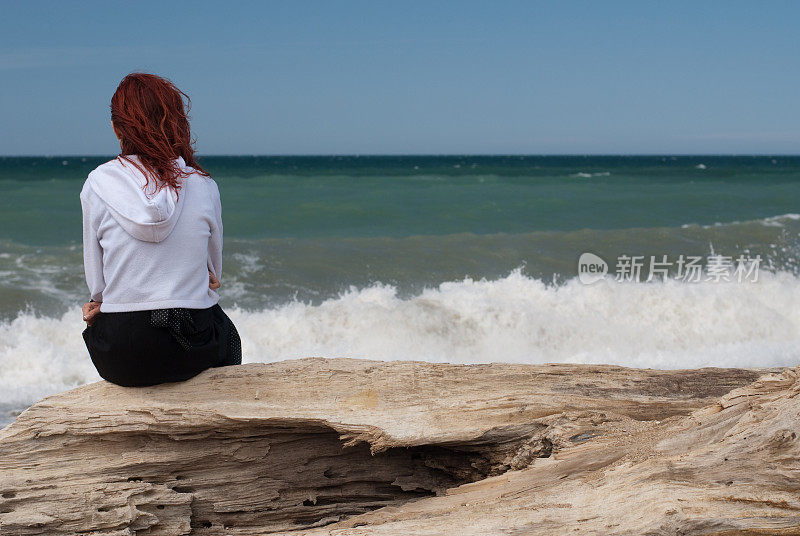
430 76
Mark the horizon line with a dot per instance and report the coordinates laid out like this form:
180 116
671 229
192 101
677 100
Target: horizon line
358 155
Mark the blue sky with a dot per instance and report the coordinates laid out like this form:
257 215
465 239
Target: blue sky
427 77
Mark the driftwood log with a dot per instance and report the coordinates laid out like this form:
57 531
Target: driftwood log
356 447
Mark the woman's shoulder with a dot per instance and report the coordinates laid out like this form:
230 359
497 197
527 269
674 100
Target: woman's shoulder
112 165
205 181
114 168
105 166
203 189
104 169
197 175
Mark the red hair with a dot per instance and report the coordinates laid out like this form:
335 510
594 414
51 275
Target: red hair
151 118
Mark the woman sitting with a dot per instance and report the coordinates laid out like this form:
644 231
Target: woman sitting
152 247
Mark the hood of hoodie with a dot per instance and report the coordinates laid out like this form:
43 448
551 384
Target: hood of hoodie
146 215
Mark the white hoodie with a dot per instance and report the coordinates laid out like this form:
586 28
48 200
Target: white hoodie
154 249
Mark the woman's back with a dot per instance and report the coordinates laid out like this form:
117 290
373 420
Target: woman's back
150 248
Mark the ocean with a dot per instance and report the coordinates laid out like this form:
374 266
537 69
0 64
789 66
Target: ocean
465 259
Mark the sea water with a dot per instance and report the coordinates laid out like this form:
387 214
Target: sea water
462 259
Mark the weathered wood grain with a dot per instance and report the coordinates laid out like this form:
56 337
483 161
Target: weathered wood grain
369 447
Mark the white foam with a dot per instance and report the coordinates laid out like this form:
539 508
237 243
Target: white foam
583 175
773 221
41 356
514 319
779 221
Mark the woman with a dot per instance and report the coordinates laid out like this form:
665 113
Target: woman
152 247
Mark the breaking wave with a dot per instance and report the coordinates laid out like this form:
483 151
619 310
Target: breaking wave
516 318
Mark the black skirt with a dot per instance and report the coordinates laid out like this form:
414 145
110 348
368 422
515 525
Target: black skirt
140 348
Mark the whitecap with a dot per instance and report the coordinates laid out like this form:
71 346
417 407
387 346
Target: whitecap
517 319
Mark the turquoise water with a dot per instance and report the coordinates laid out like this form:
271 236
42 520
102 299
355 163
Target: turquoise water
309 227
315 197
440 258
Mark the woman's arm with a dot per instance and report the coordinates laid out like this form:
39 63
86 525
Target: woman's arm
92 251
214 260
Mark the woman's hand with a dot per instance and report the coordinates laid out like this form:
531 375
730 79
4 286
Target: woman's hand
90 312
213 282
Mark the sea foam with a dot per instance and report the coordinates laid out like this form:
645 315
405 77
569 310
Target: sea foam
516 319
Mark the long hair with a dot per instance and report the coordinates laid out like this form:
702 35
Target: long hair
151 118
